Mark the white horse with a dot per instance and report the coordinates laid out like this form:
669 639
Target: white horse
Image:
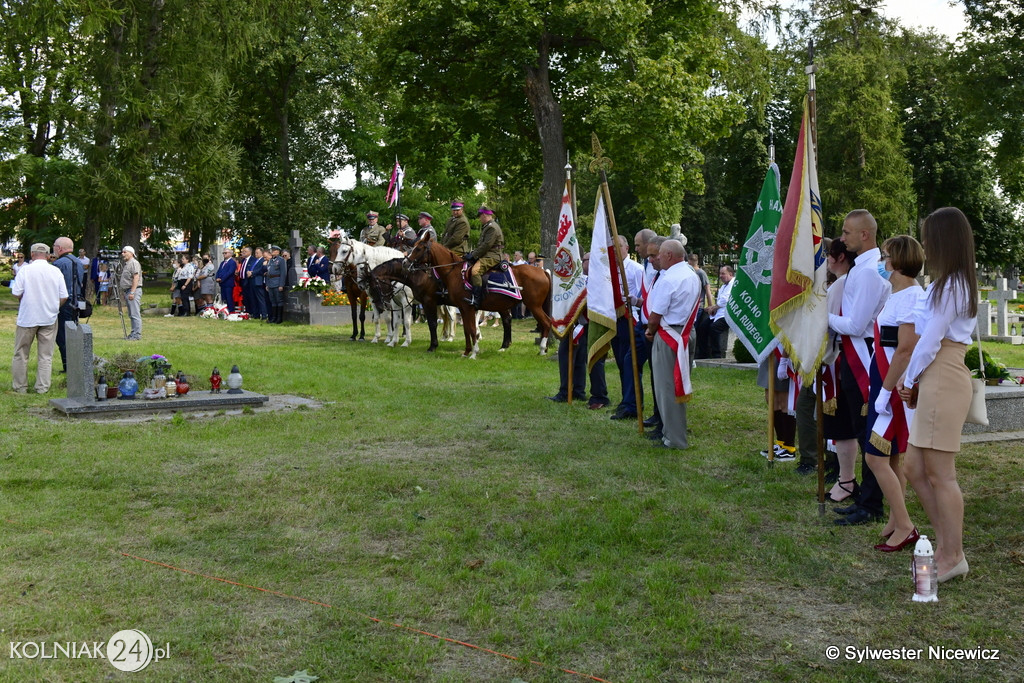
365 258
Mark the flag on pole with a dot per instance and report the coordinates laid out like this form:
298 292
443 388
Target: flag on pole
395 186
747 311
798 313
604 291
568 284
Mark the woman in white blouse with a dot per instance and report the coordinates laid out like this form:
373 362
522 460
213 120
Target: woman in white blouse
938 384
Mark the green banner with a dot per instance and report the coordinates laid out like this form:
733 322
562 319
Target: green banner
748 306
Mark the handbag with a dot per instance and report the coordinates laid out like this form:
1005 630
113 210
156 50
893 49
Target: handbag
977 413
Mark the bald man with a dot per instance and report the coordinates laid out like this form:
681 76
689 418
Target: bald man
673 307
863 297
71 268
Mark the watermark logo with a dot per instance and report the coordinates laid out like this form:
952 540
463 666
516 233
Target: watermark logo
129 650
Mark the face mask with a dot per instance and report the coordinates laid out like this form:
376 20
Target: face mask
882 271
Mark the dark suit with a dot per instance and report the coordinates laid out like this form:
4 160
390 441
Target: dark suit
226 279
259 286
248 290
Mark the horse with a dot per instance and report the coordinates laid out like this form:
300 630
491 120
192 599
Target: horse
533 283
346 279
353 255
425 289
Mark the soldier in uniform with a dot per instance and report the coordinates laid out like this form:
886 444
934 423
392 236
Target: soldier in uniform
373 233
486 255
456 231
425 220
276 274
403 236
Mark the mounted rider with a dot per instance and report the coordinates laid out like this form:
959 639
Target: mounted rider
487 253
402 237
425 220
456 231
373 233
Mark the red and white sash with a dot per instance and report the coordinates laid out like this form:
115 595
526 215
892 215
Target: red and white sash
679 342
858 356
894 427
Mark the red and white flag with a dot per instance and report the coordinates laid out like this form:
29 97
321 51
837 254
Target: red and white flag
604 287
395 186
568 283
798 313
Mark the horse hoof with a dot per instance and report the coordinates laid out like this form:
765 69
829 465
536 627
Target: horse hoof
502 350
405 345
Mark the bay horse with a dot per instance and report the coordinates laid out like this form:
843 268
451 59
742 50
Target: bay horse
353 260
427 290
533 282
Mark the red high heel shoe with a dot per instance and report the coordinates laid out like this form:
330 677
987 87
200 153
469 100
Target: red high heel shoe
911 538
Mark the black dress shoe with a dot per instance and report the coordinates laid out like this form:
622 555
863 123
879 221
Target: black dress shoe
557 398
578 397
806 469
861 516
846 510
623 415
652 421
656 435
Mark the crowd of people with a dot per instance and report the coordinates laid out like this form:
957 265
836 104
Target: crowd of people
895 383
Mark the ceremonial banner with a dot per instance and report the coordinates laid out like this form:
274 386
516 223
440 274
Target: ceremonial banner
568 284
395 186
798 313
604 293
748 309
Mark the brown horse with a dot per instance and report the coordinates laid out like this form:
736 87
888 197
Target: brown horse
357 298
533 283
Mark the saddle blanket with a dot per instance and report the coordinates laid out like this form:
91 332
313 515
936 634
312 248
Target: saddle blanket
500 280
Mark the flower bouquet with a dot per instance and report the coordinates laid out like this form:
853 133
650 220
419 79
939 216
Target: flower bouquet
334 298
315 285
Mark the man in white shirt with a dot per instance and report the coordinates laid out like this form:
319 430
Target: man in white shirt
863 297
672 307
717 328
41 291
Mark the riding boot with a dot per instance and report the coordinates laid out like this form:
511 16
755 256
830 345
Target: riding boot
478 296
280 315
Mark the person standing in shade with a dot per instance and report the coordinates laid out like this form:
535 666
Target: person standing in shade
71 268
41 291
130 285
672 304
456 231
633 276
226 279
276 278
248 261
259 283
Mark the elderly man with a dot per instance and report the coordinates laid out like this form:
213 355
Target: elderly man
672 305
130 285
373 233
456 231
714 327
41 292
74 275
621 347
226 279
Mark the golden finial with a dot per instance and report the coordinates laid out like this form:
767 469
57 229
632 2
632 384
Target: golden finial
600 162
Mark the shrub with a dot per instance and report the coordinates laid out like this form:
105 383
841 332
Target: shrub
741 353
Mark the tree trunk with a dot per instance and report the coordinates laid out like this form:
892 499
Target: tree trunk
548 116
107 78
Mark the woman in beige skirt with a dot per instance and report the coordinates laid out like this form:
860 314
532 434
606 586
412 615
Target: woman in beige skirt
937 383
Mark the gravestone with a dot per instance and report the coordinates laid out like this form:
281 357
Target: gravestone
80 361
1003 296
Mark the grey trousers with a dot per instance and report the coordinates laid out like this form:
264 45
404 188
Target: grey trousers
135 313
673 414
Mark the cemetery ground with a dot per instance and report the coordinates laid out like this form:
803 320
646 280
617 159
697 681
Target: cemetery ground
448 496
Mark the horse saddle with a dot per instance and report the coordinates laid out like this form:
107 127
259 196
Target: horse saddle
498 280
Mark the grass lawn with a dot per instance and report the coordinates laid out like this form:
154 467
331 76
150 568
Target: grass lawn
449 497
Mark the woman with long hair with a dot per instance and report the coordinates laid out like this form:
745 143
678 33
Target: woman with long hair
938 384
888 419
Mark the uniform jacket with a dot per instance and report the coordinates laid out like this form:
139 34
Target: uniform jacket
492 242
276 272
456 234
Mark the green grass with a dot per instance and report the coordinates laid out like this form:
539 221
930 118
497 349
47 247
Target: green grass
448 496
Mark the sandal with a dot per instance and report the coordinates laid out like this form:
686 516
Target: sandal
850 492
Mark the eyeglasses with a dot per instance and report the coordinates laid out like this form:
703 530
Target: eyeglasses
884 255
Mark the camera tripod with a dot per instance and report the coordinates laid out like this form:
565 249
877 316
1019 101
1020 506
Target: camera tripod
115 276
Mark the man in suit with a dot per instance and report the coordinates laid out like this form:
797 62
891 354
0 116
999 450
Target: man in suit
323 264
245 276
226 279
310 260
259 283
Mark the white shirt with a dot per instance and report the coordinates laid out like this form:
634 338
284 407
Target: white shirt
724 292
899 308
41 286
865 293
935 323
675 294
